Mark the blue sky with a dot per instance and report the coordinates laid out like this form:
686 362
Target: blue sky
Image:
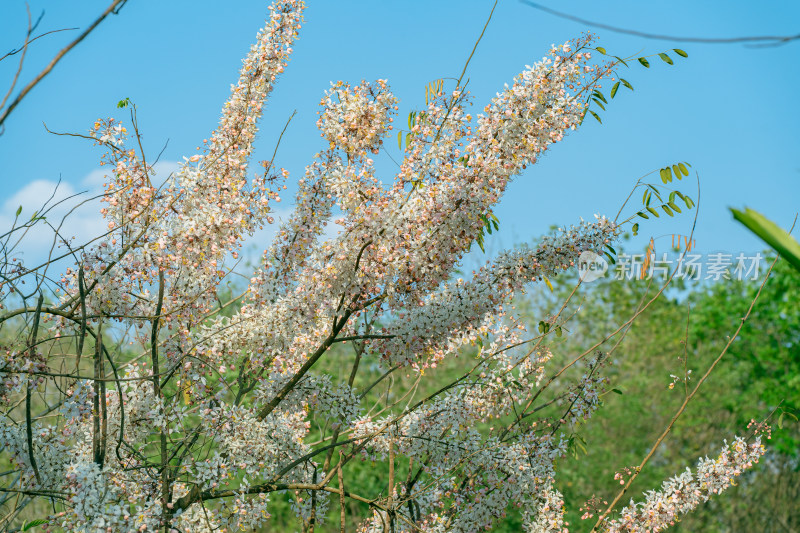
729 110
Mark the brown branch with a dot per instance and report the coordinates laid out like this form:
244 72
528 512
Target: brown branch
21 61
342 514
764 40
28 422
196 495
113 8
18 50
82 334
165 477
305 368
100 415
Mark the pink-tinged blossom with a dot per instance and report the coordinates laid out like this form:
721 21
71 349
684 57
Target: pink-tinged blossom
189 225
684 492
548 515
457 312
356 119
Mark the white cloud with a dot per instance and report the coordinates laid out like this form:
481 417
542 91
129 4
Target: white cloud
95 178
77 214
76 211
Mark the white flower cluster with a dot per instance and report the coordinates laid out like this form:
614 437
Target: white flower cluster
200 216
249 446
548 515
682 493
442 436
51 449
457 312
14 365
356 119
335 403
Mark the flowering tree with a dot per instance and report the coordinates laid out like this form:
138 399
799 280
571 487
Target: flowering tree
134 399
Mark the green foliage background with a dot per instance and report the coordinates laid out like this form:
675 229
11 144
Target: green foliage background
759 375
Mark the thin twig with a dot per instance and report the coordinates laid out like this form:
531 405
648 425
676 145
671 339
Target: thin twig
28 422
763 40
113 8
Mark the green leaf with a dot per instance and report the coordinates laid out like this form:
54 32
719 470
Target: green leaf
599 95
595 116
644 62
785 413
408 138
664 175
771 233
33 523
680 52
667 210
683 169
641 214
400 140
549 286
613 251
672 196
558 331
598 102
655 191
616 391
601 50
610 258
674 206
676 171
621 60
666 58
689 203
626 83
19 210
614 90
655 213
635 228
